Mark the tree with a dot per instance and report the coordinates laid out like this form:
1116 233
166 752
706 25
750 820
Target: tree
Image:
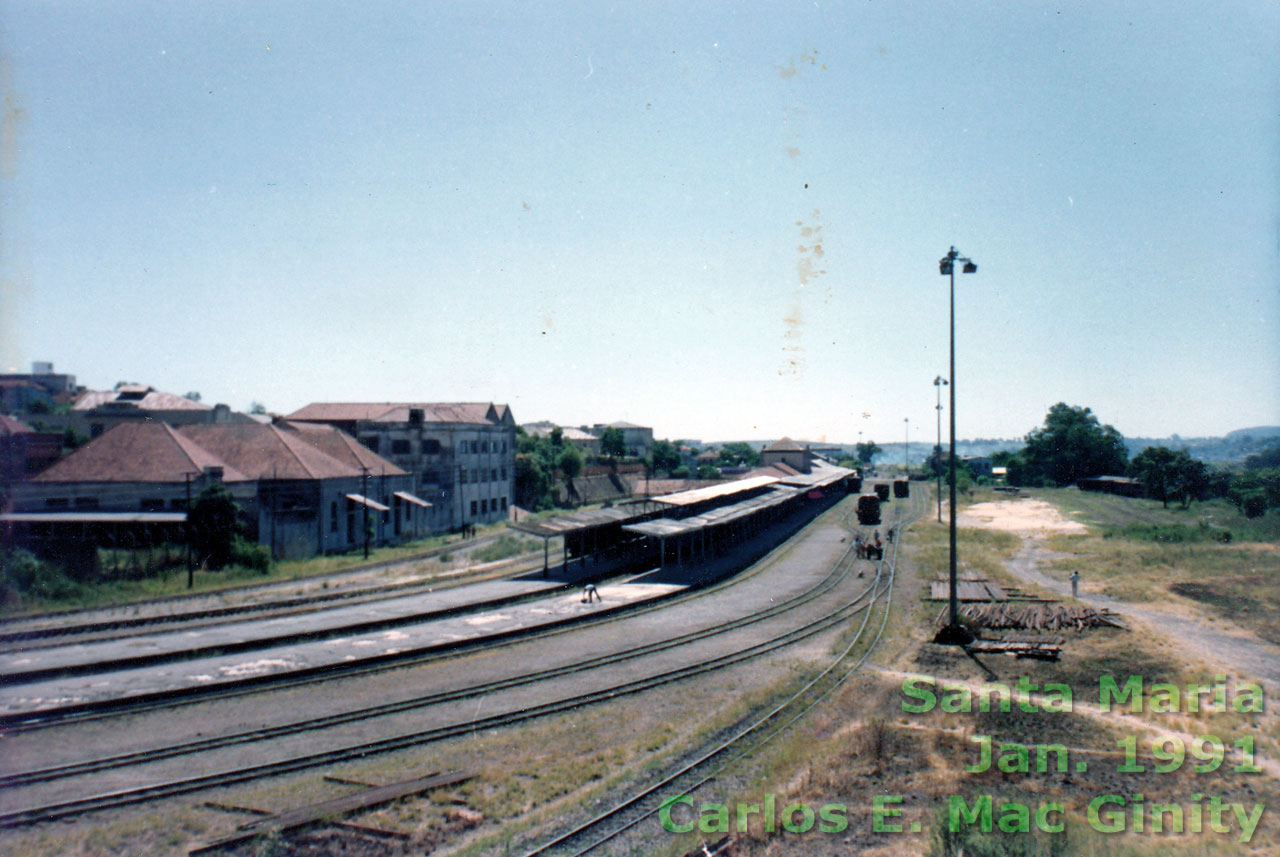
570 462
1166 473
868 451
192 395
613 443
215 523
738 454
1071 446
257 408
533 485
665 456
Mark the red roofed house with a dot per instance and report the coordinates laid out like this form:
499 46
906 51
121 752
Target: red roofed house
25 451
296 497
787 451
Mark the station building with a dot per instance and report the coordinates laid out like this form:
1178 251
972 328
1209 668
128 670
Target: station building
462 454
302 490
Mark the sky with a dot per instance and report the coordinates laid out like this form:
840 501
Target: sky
721 220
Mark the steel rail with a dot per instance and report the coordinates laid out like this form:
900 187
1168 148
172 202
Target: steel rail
708 756
176 697
174 787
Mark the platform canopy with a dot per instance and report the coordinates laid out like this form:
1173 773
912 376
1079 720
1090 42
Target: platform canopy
409 498
365 501
667 527
94 517
714 492
820 476
576 522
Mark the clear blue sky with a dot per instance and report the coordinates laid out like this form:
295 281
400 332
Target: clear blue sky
719 219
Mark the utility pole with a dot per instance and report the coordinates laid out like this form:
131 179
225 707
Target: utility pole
939 383
364 492
906 443
954 633
191 574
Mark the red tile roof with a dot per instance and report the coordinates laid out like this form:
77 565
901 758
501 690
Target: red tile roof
149 400
398 412
266 452
10 426
341 446
137 452
786 444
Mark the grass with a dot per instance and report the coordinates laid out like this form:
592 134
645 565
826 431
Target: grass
65 594
1140 552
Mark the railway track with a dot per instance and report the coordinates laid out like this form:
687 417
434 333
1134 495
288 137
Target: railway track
154 791
50 629
643 804
306 676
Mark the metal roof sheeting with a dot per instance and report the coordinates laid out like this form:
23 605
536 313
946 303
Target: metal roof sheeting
713 492
575 522
372 504
667 527
94 517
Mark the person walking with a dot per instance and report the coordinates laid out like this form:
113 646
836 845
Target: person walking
1075 584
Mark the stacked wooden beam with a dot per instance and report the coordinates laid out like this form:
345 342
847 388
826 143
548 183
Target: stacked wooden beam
1039 617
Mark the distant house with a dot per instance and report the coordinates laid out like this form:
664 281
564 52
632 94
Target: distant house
18 391
24 451
787 451
588 443
462 454
96 411
638 440
1121 485
980 465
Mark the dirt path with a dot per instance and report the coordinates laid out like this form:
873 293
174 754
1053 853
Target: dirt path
1032 520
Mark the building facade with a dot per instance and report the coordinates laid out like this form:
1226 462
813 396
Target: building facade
461 454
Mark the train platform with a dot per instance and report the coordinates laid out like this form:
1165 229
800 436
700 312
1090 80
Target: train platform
369 577
558 605
250 634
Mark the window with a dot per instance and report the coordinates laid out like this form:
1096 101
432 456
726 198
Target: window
371 441
473 508
431 447
333 516
504 446
86 502
504 474
96 430
178 503
504 504
57 502
484 446
399 447
484 507
152 504
493 475
462 477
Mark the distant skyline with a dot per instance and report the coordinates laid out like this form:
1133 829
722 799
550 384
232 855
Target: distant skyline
720 220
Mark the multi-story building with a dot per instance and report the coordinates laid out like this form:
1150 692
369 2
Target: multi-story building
462 454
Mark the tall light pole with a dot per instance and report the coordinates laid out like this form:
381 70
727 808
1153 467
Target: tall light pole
939 383
906 442
955 633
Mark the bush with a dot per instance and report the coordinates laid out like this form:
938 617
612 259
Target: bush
1253 504
250 554
23 575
